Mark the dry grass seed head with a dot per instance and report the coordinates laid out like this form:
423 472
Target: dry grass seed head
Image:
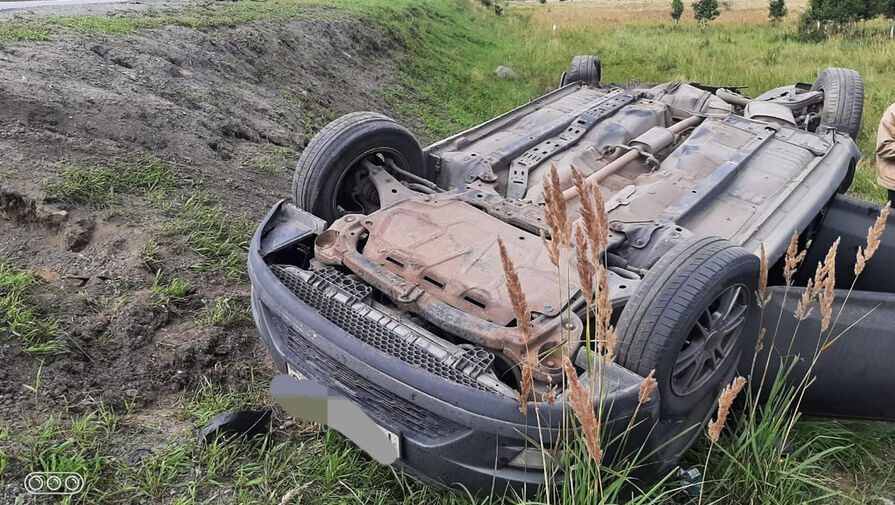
585 269
761 294
874 233
793 258
593 213
583 406
523 320
828 286
555 212
803 309
525 382
552 248
647 387
514 287
759 344
600 232
604 332
563 224
724 402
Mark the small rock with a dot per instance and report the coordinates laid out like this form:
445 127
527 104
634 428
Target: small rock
45 274
77 237
50 215
505 72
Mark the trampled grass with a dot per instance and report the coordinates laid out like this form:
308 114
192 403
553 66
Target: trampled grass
101 185
210 231
20 318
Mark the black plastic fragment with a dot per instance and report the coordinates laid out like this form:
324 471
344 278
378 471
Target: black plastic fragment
246 423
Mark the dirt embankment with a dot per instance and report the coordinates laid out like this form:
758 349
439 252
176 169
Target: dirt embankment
227 111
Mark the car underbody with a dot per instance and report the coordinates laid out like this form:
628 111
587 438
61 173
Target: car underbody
390 281
434 254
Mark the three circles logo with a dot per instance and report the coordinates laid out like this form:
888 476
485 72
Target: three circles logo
61 483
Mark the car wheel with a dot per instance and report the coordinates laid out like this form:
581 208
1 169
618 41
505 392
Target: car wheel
585 69
843 105
685 321
330 179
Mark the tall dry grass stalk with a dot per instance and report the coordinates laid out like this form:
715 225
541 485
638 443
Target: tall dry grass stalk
556 216
606 336
647 387
523 322
826 285
793 259
582 401
761 293
593 213
728 395
803 308
585 268
874 233
724 402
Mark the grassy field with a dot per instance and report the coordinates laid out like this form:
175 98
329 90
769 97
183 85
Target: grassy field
452 48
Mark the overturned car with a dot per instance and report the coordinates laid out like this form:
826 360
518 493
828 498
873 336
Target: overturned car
383 283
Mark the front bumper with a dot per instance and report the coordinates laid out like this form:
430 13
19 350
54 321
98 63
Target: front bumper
452 432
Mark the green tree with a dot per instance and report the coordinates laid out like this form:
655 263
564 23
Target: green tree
705 11
677 8
842 12
887 8
777 10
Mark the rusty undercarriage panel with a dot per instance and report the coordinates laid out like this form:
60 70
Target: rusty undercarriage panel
439 257
450 249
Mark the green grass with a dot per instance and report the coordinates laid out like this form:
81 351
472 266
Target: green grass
207 16
271 159
25 33
322 464
167 297
150 256
101 186
20 318
226 311
221 239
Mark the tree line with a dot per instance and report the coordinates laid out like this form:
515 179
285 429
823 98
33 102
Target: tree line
821 15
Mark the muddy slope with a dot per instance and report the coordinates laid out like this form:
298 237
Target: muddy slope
229 110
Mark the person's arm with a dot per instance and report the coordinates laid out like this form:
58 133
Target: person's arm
885 140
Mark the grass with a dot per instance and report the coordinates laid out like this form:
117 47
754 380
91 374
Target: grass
225 311
322 464
101 186
166 297
122 23
211 232
21 318
23 33
271 159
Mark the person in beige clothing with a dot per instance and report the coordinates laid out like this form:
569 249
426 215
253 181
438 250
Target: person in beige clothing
885 152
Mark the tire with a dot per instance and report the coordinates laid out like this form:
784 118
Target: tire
843 105
659 323
585 69
319 183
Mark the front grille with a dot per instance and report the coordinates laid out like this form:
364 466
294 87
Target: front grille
382 405
375 328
